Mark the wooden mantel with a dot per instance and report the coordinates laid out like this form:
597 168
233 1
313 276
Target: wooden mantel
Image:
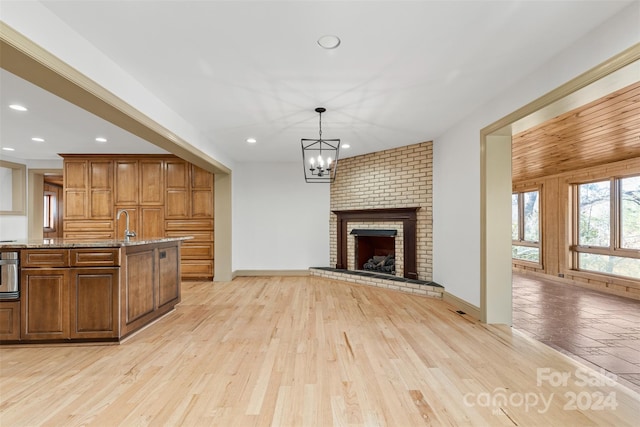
406 215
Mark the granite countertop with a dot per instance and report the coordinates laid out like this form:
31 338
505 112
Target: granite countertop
75 243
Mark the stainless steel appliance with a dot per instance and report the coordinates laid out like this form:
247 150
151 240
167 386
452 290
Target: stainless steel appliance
9 274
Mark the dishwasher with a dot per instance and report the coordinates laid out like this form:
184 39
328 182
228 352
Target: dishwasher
9 273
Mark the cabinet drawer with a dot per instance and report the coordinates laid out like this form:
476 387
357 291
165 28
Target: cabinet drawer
44 258
189 224
95 257
198 236
196 269
88 226
90 235
203 251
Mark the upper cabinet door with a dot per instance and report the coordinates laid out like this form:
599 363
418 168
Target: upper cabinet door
177 185
201 179
126 182
151 182
76 183
75 175
201 193
101 189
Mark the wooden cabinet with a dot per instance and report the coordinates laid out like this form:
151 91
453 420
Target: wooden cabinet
164 196
201 193
75 189
152 222
151 284
69 293
177 188
94 300
91 293
197 254
195 219
151 182
136 290
89 230
126 182
44 298
88 189
88 197
100 189
9 320
39 258
168 275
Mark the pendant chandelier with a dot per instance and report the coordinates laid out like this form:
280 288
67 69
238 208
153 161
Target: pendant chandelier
320 156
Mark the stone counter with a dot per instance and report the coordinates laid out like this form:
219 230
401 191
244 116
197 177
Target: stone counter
77 243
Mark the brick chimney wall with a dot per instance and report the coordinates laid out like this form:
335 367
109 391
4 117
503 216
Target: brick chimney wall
397 178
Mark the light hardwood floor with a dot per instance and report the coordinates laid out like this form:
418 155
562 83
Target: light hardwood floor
306 351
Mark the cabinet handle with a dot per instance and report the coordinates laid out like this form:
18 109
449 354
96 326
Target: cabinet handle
163 254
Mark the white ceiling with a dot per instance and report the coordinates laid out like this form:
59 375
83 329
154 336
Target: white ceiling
405 72
64 127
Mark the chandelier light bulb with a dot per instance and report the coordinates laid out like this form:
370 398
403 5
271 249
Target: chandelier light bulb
321 154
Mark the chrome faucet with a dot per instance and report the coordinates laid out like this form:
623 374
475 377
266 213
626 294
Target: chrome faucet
127 233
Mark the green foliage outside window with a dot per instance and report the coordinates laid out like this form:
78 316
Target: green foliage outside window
599 220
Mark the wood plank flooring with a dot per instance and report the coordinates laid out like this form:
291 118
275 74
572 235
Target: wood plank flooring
308 351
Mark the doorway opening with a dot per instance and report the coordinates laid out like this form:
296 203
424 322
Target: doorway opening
495 169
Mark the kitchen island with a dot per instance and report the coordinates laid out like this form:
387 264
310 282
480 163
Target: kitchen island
74 290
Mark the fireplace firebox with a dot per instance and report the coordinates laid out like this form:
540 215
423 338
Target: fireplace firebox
375 250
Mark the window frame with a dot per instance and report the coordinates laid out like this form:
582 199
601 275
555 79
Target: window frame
521 227
50 200
615 226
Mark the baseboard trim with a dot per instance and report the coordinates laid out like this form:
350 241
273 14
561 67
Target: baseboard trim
460 304
252 273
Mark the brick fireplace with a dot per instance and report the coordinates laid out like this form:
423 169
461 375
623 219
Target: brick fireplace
389 189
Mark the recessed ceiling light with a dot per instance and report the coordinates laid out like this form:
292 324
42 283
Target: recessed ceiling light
346 146
17 107
251 140
101 139
36 139
329 42
8 149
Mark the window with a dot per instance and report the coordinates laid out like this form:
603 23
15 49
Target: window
607 227
525 226
50 214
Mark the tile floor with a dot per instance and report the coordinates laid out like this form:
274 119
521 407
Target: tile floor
595 328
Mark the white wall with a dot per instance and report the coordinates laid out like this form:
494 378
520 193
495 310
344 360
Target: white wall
279 222
16 227
13 227
456 174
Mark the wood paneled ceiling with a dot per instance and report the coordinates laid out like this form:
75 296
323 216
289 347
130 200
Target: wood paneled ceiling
604 131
